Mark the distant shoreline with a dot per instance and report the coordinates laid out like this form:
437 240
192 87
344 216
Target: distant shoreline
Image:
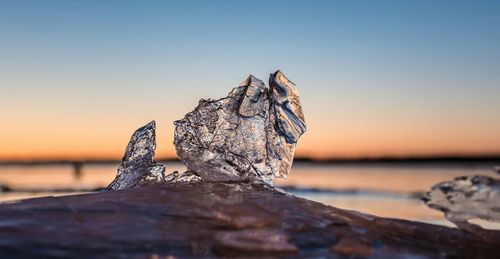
494 159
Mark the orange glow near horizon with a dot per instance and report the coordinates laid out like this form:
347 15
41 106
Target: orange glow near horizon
347 138
343 128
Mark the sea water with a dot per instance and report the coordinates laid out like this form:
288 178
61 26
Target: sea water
387 190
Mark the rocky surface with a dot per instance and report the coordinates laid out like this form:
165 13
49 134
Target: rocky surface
204 219
138 165
249 135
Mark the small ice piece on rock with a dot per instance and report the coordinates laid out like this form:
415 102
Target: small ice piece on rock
186 177
249 135
138 165
465 198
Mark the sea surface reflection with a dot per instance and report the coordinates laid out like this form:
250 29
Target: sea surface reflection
388 190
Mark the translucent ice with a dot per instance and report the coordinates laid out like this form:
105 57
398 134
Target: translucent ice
249 135
138 165
286 106
186 177
465 198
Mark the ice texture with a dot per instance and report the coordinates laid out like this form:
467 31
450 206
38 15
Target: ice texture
249 135
138 165
286 107
465 198
186 177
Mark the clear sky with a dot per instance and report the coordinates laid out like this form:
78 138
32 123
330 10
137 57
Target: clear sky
376 78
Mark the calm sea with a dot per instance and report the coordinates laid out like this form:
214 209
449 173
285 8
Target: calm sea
388 190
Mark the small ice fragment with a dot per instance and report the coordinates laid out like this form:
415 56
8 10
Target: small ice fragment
138 165
157 174
186 177
465 198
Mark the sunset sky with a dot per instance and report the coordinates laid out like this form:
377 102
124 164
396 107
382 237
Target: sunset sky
376 78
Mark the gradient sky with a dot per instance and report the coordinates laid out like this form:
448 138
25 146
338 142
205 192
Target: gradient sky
376 78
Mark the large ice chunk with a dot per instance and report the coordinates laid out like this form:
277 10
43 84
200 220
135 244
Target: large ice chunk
249 135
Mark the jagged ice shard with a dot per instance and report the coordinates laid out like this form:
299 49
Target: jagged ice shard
465 198
138 165
249 135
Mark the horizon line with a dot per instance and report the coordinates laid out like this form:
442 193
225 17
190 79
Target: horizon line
380 159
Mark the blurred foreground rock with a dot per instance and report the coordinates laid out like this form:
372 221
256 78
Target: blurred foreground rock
206 219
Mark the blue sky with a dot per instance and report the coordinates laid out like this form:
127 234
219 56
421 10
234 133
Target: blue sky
375 77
